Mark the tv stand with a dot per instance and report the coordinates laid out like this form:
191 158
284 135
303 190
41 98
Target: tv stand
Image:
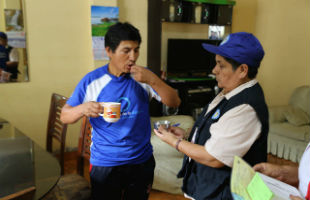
195 93
188 79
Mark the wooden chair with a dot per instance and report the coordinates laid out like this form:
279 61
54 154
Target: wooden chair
84 145
70 186
55 128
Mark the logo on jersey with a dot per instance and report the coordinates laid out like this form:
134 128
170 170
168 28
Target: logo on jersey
126 111
125 102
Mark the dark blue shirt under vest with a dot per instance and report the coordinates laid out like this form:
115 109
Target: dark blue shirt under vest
4 57
203 182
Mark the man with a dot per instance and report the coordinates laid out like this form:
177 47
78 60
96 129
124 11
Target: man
8 57
122 163
234 123
293 175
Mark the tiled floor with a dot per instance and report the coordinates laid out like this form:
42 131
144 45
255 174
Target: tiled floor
70 167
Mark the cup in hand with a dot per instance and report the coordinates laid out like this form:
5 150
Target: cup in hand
111 111
163 123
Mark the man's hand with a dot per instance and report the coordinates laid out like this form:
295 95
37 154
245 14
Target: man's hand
269 169
71 114
292 197
285 173
142 74
91 109
168 95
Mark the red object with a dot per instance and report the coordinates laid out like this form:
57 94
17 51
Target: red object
308 192
90 166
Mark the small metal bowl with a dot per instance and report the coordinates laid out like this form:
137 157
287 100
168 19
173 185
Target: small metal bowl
164 123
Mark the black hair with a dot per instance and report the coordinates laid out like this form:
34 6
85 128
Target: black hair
252 71
3 36
120 32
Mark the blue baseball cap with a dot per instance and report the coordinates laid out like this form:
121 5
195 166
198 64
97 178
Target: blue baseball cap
3 35
242 47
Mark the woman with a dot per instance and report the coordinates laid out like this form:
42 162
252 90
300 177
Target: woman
234 123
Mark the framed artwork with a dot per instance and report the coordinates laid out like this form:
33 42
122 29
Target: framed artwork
102 18
13 20
216 32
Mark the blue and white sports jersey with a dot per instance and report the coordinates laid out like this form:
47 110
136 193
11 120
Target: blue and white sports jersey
126 141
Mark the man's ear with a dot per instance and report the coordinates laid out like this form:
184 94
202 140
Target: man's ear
109 51
244 69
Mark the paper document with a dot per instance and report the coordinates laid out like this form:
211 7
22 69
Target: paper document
246 184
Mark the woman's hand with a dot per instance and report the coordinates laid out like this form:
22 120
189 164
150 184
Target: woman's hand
178 132
169 136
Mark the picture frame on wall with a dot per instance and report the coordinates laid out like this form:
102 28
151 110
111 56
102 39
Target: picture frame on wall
216 32
14 20
102 17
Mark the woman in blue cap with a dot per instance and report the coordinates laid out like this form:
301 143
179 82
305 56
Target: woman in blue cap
234 123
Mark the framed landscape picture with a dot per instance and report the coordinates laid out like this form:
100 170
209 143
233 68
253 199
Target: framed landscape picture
102 18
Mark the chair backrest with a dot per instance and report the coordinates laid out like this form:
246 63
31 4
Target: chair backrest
84 144
55 128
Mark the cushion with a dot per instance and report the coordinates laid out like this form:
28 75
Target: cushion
296 116
168 163
168 159
301 133
301 98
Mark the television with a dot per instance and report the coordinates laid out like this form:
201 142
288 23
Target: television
186 58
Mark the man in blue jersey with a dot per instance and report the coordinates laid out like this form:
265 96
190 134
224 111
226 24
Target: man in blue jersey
122 162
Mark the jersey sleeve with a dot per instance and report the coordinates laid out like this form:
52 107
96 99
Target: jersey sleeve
78 95
151 92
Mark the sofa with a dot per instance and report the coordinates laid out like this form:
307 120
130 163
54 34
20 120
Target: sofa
289 131
168 159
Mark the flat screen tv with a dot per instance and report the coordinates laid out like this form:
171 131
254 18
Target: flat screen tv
187 58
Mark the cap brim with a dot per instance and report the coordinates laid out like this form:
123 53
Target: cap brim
212 48
215 49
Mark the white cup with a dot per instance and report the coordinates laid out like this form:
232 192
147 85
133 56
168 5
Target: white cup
111 111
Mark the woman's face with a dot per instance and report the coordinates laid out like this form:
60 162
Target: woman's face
226 77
